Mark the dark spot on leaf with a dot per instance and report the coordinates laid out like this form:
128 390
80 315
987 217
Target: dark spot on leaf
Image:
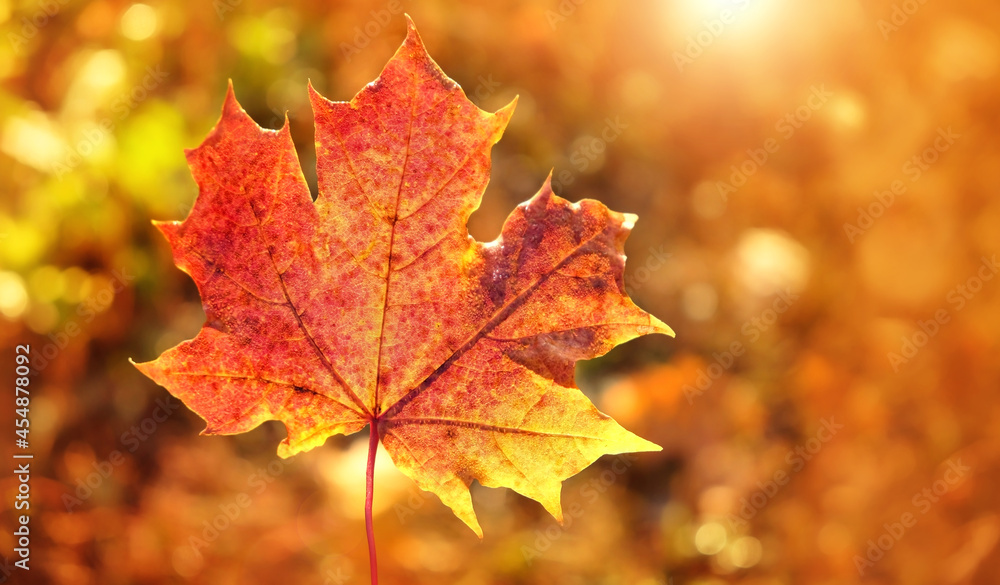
554 355
215 323
494 283
439 75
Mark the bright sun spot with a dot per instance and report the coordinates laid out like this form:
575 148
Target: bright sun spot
139 22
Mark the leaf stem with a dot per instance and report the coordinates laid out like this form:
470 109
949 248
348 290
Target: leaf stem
370 492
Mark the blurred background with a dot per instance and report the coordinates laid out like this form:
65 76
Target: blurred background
816 186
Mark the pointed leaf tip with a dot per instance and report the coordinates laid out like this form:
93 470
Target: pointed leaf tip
508 110
412 34
502 118
544 194
230 105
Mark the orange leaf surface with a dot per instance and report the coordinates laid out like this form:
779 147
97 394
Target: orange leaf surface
373 305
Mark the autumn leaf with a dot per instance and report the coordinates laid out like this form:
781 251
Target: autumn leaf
374 306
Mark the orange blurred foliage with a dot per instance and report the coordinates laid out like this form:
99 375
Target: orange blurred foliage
818 223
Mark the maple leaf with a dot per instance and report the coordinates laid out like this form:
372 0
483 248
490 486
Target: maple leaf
374 306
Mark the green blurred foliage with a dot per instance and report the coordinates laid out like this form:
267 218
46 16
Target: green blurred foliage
791 290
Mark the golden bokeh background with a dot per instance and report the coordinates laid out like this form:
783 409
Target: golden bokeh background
817 190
